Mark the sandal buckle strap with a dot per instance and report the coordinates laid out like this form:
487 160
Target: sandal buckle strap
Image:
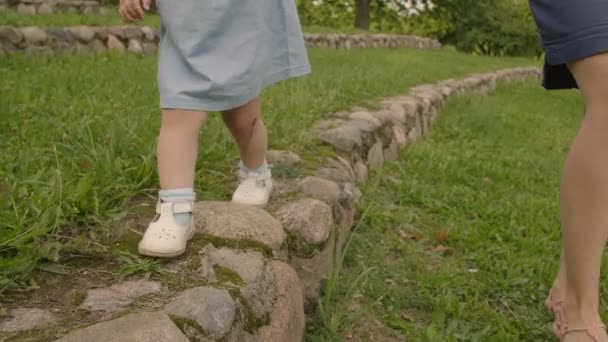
170 208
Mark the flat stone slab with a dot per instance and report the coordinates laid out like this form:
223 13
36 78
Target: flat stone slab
118 296
238 222
22 319
140 327
248 265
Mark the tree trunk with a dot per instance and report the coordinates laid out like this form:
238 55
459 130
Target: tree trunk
362 14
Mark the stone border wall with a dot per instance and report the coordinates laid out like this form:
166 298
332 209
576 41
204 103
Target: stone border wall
350 41
43 7
255 270
364 140
144 40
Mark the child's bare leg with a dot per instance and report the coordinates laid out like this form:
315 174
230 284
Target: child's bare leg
177 151
178 147
245 124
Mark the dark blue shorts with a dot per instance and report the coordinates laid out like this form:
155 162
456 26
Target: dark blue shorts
570 30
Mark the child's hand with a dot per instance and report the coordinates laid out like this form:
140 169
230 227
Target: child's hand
133 10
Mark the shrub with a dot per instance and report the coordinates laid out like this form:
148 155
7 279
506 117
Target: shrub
500 27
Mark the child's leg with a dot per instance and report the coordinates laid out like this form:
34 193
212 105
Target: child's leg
178 147
245 124
177 150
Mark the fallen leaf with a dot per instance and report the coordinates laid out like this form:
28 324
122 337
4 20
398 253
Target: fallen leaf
407 316
443 235
438 248
389 281
409 236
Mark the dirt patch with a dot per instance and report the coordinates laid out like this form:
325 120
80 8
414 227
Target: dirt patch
369 328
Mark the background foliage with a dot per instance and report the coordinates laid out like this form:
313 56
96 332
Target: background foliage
498 27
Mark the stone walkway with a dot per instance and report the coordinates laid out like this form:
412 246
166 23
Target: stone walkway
250 273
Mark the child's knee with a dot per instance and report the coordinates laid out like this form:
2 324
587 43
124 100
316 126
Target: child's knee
243 123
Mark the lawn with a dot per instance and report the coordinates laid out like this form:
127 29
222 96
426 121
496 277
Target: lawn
461 235
79 137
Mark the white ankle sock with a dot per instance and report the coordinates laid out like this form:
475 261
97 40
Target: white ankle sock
178 195
261 169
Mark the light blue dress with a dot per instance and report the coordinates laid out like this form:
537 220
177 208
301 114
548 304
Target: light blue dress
217 55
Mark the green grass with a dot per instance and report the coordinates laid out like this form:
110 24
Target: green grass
485 185
79 137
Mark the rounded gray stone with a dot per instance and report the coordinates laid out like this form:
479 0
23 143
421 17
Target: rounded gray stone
148 33
24 9
59 36
312 271
150 48
10 34
132 32
34 35
45 9
282 157
361 172
391 153
88 10
375 156
81 48
97 46
114 44
213 309
257 290
308 218
337 171
399 135
367 117
322 189
238 222
84 33
135 47
287 319
344 138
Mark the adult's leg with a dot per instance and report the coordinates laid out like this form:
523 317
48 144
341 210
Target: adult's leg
584 199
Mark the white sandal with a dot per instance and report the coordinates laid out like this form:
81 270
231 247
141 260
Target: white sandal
254 188
165 237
